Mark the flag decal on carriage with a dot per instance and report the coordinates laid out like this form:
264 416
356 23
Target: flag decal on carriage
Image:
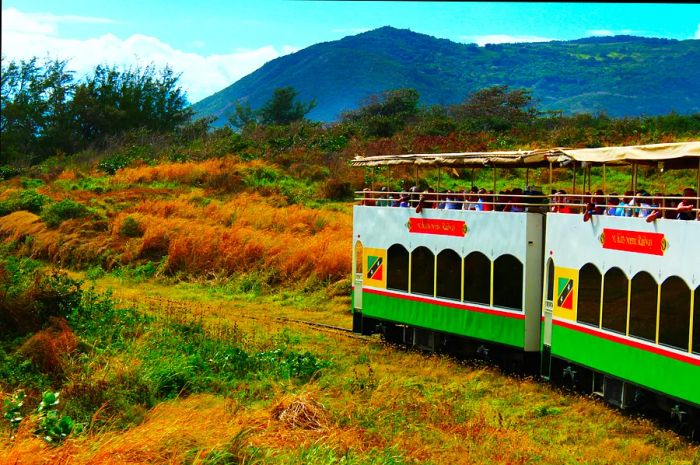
565 293
374 267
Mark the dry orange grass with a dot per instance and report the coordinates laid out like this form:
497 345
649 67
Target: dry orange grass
74 242
242 235
214 172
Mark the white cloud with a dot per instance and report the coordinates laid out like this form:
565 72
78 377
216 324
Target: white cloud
610 32
28 35
503 39
697 33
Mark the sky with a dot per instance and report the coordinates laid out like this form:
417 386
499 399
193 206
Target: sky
214 43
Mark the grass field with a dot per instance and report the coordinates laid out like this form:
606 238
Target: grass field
157 303
359 402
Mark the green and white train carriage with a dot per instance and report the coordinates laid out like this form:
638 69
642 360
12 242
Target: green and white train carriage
426 278
621 298
609 305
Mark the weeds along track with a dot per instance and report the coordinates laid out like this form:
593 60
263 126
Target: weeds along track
216 317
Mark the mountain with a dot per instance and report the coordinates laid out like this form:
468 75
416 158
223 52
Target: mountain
621 75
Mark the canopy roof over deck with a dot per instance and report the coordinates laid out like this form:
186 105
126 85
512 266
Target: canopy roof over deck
673 155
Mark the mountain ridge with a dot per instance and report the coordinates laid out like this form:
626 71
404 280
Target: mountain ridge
618 75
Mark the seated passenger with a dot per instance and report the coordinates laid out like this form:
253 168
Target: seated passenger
404 200
483 203
613 202
515 200
453 201
415 195
686 207
502 201
627 201
595 206
646 206
442 199
671 204
382 200
563 202
367 199
471 199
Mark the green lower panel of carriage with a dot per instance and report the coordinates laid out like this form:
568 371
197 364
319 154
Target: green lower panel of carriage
498 328
657 372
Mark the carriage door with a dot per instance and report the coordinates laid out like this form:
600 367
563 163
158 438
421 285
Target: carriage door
357 277
547 329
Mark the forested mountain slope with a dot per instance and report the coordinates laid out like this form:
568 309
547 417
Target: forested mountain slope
621 76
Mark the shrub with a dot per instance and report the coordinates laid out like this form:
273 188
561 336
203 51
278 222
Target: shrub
336 189
29 200
111 165
48 347
30 297
66 209
7 172
130 228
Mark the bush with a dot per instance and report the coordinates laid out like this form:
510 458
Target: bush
336 189
130 228
66 209
7 172
29 297
111 165
29 200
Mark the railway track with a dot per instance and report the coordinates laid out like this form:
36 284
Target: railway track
170 305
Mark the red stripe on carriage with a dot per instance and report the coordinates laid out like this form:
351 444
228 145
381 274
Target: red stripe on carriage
444 303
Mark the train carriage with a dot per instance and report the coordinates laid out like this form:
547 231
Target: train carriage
608 305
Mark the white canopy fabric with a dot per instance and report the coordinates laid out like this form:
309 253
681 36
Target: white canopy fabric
674 155
688 152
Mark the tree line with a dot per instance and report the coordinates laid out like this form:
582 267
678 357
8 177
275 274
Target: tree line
46 111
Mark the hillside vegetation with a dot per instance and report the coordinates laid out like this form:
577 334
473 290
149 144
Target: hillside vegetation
620 76
149 279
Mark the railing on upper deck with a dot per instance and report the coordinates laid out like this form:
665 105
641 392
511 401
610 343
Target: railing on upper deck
642 206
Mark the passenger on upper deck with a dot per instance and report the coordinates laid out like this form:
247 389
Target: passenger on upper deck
415 195
367 199
483 204
471 199
382 198
453 201
515 200
687 205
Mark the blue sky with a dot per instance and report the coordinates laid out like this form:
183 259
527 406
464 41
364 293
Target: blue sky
215 43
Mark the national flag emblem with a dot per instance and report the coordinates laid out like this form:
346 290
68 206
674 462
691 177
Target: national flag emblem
565 293
375 267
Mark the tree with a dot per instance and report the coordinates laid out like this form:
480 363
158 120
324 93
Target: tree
34 119
496 108
112 101
242 116
385 114
281 109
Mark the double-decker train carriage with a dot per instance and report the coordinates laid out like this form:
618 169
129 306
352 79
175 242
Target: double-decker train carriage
605 303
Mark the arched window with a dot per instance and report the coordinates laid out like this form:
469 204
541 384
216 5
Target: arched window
696 321
615 300
422 271
588 306
674 322
550 279
358 257
477 278
643 306
449 274
397 268
508 282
